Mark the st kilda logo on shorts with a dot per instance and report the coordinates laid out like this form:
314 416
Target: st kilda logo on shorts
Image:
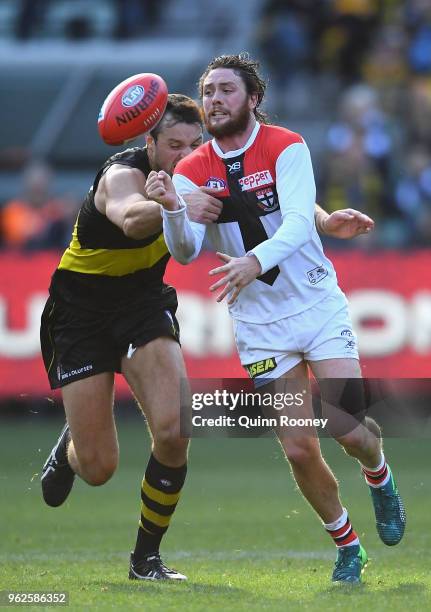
350 344
267 200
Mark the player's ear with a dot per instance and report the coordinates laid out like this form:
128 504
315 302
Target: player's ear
252 101
151 148
150 142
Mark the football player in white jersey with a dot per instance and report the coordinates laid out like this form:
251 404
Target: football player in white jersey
288 310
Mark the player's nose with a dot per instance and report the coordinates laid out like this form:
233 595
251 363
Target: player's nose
216 97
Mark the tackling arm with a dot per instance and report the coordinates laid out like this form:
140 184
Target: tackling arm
121 196
183 237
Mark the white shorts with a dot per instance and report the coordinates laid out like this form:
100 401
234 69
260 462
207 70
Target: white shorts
323 331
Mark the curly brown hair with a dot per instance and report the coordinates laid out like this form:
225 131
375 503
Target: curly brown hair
245 67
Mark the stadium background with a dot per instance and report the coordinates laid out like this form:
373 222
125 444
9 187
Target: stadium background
352 76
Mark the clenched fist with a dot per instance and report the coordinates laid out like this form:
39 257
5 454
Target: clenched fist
160 188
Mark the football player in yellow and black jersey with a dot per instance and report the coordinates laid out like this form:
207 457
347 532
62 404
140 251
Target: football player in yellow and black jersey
110 311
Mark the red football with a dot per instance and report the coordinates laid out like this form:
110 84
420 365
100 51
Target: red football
132 108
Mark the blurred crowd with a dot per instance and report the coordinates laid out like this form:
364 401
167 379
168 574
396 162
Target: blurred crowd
131 18
355 73
37 218
363 68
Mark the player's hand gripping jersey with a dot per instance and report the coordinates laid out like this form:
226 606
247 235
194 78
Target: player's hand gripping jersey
268 194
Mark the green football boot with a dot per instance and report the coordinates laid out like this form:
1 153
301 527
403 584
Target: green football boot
389 511
351 562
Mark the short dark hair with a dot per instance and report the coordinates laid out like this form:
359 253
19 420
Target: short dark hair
179 109
245 67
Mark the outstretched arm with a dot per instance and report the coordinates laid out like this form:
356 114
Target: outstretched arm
346 223
122 198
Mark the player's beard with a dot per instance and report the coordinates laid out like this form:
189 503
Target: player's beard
235 125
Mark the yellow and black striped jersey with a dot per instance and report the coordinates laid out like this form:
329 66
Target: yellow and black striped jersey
104 269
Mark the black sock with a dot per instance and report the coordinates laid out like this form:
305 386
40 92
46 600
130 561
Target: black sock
160 492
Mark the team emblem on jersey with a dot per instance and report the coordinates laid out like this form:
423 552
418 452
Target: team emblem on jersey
235 167
317 274
267 200
215 183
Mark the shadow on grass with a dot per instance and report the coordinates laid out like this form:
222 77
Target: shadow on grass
155 588
407 588
185 591
346 589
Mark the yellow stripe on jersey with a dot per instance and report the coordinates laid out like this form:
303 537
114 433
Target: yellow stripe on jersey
111 262
166 499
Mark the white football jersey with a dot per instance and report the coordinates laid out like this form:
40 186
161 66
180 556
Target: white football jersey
268 194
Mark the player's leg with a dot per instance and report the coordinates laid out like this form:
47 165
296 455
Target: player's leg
314 477
93 447
88 443
156 375
302 449
80 357
276 355
343 399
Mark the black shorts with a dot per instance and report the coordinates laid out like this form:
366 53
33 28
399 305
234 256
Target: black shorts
77 343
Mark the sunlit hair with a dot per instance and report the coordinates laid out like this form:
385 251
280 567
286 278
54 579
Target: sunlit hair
179 109
248 70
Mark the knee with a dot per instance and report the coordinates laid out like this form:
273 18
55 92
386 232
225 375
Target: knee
372 426
96 469
167 437
354 440
302 453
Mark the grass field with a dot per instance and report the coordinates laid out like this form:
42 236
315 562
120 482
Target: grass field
241 533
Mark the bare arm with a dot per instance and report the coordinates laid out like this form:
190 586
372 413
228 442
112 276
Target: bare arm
346 223
320 217
121 196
